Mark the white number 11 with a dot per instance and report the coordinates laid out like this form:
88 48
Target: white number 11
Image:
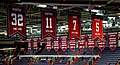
48 22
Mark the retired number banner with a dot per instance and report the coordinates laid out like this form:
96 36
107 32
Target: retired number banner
16 20
97 30
74 25
113 40
49 23
64 42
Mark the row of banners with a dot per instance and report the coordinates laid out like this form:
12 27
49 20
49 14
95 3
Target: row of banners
86 41
17 23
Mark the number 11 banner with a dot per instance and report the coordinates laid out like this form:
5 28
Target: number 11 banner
16 20
49 22
74 25
97 30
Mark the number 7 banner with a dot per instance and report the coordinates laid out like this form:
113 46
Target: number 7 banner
16 20
49 23
74 25
97 30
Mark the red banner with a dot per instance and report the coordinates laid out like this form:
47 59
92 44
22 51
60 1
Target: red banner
113 40
102 44
97 30
91 42
56 43
49 43
72 44
39 42
16 20
49 23
74 25
64 43
82 42
29 44
35 41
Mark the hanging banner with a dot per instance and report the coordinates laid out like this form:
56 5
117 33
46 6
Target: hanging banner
35 41
29 44
64 42
72 44
56 43
16 20
74 25
49 22
97 30
113 40
90 42
49 43
102 44
39 43
82 42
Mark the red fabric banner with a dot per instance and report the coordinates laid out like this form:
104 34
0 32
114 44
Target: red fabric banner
102 44
49 43
64 42
49 23
97 30
56 43
113 40
35 41
16 20
91 42
29 44
82 42
72 44
74 25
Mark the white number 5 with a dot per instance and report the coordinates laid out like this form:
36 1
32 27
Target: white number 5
97 27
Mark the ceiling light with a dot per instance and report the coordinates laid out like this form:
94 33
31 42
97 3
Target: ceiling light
84 21
99 6
40 5
100 14
104 21
55 7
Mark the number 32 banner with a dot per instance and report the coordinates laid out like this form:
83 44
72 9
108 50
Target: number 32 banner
49 22
74 25
16 20
97 30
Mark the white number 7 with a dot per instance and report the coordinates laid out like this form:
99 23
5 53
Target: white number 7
74 21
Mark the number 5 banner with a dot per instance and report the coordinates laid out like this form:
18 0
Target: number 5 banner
97 30
49 23
74 25
16 20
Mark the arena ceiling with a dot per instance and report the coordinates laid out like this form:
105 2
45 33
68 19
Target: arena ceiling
106 7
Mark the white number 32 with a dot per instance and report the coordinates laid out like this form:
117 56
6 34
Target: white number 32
17 19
